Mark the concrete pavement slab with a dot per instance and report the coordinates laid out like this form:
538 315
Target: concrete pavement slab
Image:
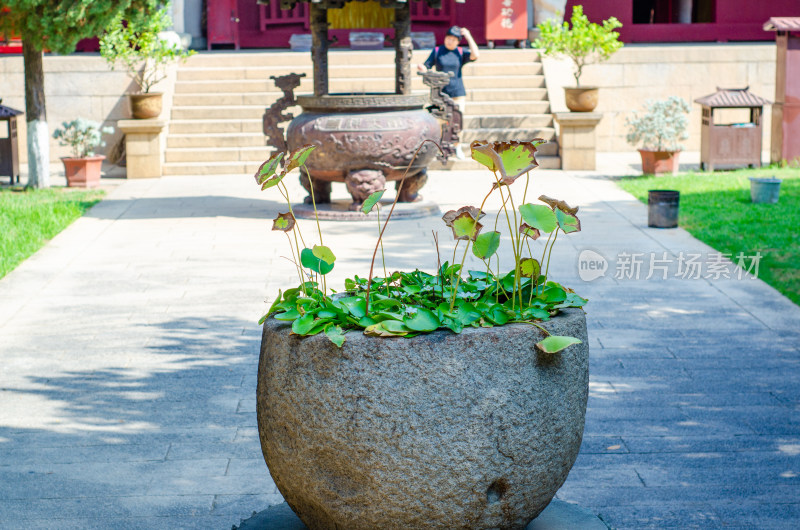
130 344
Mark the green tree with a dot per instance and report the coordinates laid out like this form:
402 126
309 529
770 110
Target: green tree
57 26
584 42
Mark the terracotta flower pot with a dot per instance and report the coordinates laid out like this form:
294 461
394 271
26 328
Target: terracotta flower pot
659 162
144 106
473 431
83 172
581 99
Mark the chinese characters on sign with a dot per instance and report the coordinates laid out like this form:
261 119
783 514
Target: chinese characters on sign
506 19
685 266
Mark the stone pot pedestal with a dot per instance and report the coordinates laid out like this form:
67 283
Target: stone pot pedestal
577 141
476 430
142 147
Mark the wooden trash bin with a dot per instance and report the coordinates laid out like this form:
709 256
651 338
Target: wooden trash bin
9 151
730 145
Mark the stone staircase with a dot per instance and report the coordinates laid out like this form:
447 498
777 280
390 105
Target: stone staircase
220 98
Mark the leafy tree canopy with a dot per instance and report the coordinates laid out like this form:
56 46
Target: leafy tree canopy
58 25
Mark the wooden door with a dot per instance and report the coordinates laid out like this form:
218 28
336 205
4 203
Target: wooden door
222 22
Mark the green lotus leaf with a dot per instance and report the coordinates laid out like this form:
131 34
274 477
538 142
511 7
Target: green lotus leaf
529 268
556 343
371 201
539 216
422 320
381 330
355 305
304 324
324 253
335 334
466 227
486 245
316 264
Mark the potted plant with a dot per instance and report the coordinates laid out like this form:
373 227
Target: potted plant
659 130
466 389
82 136
140 49
584 42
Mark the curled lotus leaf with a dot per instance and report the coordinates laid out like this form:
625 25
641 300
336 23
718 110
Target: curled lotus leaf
510 159
298 157
473 212
560 205
465 227
370 202
568 222
267 174
527 230
284 222
556 343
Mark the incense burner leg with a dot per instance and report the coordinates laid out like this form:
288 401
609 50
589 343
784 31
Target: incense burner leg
362 183
322 189
410 190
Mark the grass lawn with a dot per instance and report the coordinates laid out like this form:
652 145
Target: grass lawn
716 209
29 219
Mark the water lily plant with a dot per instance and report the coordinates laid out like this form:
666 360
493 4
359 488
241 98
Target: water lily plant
406 304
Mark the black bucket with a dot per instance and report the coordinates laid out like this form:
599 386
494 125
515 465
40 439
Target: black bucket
662 208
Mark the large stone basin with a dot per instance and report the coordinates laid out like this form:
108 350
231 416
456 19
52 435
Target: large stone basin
473 431
364 140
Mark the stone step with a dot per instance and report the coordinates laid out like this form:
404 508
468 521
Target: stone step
376 84
527 107
214 112
508 121
506 94
216 140
235 112
212 168
347 71
218 154
336 57
267 98
215 126
545 162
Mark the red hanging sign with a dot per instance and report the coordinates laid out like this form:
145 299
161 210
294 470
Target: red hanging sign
506 19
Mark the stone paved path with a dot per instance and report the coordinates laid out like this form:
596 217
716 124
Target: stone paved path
128 350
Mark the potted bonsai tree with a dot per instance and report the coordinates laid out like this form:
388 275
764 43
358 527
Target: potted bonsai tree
82 136
463 388
658 131
583 42
139 48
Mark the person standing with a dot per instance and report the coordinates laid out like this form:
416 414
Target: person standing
451 58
